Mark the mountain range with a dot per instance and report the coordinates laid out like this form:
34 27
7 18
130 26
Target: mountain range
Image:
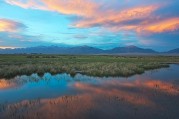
82 50
174 51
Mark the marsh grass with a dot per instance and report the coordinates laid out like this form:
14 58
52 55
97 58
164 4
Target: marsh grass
13 65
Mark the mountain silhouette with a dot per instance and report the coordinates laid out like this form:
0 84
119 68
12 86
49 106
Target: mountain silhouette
80 50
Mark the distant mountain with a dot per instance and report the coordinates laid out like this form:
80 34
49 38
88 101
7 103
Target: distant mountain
53 50
39 49
174 51
84 50
80 50
130 49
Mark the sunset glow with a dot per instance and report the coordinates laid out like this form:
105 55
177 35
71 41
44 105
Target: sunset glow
147 24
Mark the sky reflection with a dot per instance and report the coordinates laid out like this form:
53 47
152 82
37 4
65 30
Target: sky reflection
150 95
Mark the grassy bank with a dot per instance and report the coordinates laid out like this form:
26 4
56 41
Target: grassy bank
13 65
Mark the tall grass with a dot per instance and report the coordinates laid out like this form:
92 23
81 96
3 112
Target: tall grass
13 65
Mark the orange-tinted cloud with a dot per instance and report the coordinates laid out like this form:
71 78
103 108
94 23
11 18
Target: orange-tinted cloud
93 14
159 26
34 4
115 18
167 25
10 26
76 7
88 9
73 7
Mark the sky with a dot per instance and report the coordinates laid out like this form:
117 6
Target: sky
98 23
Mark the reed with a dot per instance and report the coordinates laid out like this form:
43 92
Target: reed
13 65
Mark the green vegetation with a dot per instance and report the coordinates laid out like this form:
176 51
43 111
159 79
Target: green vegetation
13 65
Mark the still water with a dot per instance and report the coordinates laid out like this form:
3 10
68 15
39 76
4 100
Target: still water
152 95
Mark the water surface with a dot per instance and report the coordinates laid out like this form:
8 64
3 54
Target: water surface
152 95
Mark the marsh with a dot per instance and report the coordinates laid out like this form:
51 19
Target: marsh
92 65
151 95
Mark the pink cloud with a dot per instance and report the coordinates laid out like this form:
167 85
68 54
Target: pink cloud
166 25
74 7
110 18
95 14
150 27
33 4
115 21
10 26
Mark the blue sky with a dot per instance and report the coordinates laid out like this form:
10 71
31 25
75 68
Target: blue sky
103 24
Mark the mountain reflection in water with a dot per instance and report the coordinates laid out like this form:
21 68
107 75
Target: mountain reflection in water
152 95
